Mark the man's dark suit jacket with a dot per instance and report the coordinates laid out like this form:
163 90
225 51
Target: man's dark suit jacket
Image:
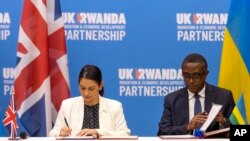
175 116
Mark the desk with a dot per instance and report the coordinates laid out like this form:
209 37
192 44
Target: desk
139 139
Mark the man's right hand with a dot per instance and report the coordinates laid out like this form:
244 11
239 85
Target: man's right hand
197 121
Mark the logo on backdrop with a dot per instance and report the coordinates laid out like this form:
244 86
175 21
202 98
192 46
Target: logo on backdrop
94 26
4 25
8 80
149 81
201 26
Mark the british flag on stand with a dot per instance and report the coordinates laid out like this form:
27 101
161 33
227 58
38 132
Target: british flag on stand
9 120
41 74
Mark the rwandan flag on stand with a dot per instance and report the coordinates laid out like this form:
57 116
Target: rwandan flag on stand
235 59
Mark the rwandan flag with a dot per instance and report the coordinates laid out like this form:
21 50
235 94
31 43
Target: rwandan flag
235 59
239 113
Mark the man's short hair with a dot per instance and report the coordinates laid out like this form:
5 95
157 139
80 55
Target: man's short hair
195 58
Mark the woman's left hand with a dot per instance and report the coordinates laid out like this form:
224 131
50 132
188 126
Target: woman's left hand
88 132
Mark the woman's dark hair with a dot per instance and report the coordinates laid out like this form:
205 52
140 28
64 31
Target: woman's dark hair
93 73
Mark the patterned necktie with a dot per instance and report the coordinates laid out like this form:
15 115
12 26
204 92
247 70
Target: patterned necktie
197 104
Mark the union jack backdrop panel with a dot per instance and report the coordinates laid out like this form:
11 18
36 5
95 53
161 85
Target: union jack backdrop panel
41 75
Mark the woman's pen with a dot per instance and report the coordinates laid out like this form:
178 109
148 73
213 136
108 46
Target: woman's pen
66 122
69 130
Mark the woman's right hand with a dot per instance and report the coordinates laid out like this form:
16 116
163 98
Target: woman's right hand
65 131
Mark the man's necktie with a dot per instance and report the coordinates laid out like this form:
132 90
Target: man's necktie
197 104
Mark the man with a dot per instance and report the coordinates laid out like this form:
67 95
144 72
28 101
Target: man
179 116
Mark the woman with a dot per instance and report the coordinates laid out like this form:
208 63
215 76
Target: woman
90 114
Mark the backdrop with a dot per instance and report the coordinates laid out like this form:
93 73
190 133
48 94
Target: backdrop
138 44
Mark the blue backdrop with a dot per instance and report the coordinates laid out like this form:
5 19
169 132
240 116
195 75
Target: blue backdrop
138 45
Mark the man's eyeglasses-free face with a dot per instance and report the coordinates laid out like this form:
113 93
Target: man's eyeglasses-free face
194 76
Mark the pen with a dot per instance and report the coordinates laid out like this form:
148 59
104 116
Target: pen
66 122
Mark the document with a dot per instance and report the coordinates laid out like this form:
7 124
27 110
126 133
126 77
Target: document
212 114
76 138
101 138
177 136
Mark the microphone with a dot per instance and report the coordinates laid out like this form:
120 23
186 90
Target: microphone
23 135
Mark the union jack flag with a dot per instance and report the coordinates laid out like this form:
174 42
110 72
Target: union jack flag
10 119
41 74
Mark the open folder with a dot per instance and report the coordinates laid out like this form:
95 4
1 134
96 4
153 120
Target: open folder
216 132
76 138
100 138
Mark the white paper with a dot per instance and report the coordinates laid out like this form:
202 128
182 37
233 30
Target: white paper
75 138
212 114
177 136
